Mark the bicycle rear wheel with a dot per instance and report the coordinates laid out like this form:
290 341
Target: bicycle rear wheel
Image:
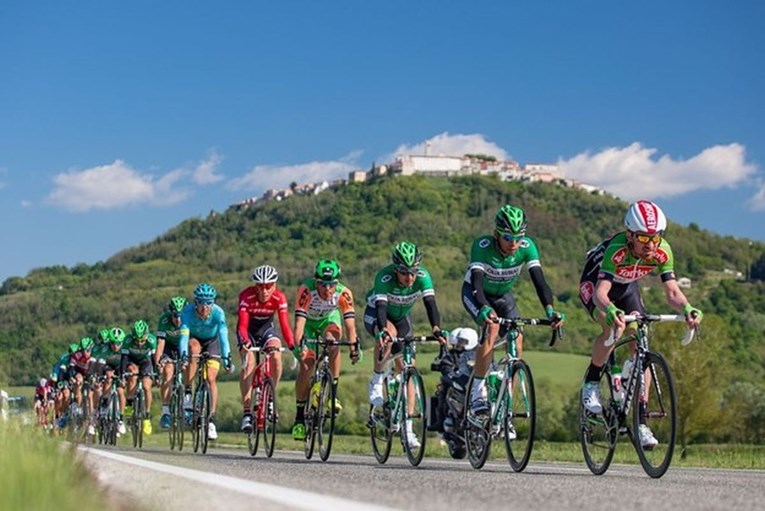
598 431
326 415
416 413
253 437
477 432
659 412
112 421
520 415
379 427
269 416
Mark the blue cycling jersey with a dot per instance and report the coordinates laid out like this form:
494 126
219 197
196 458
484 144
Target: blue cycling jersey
212 326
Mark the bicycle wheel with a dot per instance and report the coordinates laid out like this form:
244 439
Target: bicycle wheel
204 422
379 427
659 412
172 431
253 437
477 433
196 419
139 412
598 431
113 418
269 416
326 415
311 411
86 416
416 413
520 415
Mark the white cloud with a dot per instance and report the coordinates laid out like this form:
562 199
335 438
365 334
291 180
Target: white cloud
634 172
114 186
264 177
450 145
757 201
205 172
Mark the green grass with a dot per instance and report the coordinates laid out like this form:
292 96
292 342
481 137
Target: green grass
39 472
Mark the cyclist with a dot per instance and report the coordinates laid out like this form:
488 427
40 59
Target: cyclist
608 287
101 338
204 329
496 261
80 366
168 334
43 398
255 325
59 374
321 303
389 303
109 359
138 358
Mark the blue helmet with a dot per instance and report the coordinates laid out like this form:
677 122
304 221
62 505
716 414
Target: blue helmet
205 292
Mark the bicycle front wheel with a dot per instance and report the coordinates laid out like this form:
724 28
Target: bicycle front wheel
204 422
416 412
140 413
269 417
598 432
379 427
326 415
655 408
112 421
520 415
477 432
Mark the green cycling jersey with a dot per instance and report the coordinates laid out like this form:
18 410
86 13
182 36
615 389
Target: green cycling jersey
500 271
400 299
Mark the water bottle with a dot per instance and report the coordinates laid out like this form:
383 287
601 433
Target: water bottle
616 378
493 381
393 384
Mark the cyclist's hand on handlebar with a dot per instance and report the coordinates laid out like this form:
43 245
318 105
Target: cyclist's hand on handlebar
557 317
383 337
441 335
228 365
356 353
693 316
297 351
487 315
614 316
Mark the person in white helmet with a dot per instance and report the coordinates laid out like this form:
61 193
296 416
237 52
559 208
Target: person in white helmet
609 287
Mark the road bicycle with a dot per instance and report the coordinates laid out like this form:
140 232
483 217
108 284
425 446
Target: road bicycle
647 396
512 400
200 421
135 421
107 423
177 414
320 409
405 406
263 400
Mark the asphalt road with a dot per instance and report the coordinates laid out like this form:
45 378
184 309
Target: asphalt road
231 480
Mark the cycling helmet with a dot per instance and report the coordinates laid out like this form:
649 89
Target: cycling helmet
327 270
406 254
43 382
103 335
465 338
116 335
510 220
645 216
74 348
205 292
141 329
86 343
265 274
176 305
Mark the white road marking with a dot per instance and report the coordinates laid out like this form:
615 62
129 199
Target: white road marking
288 496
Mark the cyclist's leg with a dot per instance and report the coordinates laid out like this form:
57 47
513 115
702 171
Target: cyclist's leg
271 340
303 385
195 348
245 378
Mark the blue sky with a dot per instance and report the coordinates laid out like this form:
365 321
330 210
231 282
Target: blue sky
118 120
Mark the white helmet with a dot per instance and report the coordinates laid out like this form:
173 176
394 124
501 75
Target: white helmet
645 216
466 338
264 274
43 382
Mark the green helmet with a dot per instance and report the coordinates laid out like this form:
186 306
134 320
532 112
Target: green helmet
327 270
74 348
140 329
510 220
103 335
176 305
86 343
406 254
116 335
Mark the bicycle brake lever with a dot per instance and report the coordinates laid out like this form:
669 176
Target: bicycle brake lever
689 335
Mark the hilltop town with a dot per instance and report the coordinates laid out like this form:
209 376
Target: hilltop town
441 166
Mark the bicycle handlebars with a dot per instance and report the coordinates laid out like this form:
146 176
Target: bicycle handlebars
655 318
557 333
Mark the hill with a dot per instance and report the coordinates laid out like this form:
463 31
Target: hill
358 224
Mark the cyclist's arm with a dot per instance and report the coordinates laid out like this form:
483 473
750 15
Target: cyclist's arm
540 284
675 296
476 280
431 307
183 342
381 311
349 313
284 325
600 296
243 326
299 327
225 349
160 350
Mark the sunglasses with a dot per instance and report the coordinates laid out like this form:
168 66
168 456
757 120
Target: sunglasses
175 315
327 283
645 238
199 301
513 238
406 271
265 287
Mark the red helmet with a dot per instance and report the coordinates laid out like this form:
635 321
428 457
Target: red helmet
645 216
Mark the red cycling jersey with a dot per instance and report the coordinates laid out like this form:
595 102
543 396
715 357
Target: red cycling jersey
80 360
254 315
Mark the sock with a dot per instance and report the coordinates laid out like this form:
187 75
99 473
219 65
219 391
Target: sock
593 373
300 411
479 384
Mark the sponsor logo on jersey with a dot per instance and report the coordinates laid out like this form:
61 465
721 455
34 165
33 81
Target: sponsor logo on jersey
524 243
630 273
619 256
502 273
386 278
402 299
661 256
586 290
484 243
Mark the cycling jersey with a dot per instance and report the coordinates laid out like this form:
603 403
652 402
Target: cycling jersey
399 299
104 355
255 318
312 307
500 271
167 330
138 352
212 327
80 361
